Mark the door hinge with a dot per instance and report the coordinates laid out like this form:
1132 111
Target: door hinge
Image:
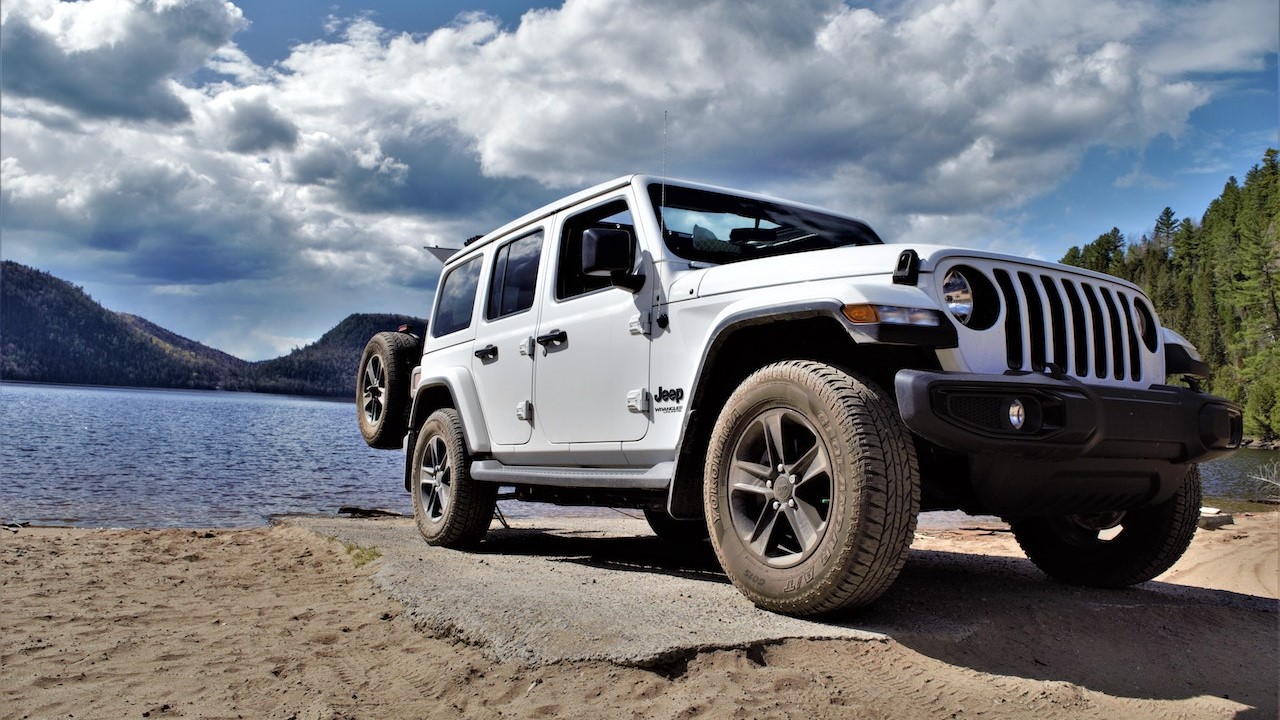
526 346
638 401
640 324
524 410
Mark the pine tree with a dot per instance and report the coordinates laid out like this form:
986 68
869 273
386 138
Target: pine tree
1106 254
1166 226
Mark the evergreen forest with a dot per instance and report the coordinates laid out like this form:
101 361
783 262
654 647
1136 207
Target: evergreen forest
1216 281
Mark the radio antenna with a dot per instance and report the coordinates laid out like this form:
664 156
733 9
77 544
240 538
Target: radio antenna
662 219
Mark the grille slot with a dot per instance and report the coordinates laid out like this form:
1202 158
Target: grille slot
1117 335
1099 333
1077 325
1058 321
1012 320
1035 320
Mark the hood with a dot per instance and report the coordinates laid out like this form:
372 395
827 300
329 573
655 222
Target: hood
853 261
845 262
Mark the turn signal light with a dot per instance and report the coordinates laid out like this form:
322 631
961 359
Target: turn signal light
891 314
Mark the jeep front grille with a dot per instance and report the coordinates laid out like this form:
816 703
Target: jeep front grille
1076 324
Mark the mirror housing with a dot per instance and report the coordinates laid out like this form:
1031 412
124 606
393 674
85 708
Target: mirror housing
611 252
606 251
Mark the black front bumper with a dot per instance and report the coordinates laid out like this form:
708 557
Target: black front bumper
1065 418
1079 448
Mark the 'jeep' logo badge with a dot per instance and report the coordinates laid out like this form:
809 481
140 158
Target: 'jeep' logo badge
669 394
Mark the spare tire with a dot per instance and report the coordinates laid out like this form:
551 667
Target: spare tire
382 388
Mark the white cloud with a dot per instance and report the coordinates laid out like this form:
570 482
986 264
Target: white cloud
110 58
140 133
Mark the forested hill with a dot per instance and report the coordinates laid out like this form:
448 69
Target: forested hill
1217 281
328 366
51 331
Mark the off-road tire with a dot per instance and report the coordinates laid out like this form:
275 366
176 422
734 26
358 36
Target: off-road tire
1150 540
382 388
681 532
856 488
450 508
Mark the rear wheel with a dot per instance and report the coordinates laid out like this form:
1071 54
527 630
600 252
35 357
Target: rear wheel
1112 550
382 388
450 508
811 489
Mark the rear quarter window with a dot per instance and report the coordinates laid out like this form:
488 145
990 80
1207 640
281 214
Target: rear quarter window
457 300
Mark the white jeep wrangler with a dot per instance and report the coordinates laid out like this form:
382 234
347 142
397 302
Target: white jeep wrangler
777 377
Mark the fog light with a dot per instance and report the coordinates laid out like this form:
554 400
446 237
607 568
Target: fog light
1017 414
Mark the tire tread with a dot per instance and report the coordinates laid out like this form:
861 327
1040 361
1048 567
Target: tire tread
885 477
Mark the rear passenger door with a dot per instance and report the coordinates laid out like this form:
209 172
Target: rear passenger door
503 358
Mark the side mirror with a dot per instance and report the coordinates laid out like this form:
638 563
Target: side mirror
611 253
606 251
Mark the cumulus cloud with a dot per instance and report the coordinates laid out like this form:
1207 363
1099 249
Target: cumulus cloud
104 58
256 126
145 152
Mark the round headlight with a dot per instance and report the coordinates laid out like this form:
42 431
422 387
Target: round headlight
958 295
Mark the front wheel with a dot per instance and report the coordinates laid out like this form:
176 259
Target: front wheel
1113 550
811 489
450 508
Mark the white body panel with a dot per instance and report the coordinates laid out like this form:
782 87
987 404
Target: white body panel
579 388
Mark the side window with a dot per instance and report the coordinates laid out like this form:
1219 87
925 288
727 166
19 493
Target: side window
457 298
515 273
570 280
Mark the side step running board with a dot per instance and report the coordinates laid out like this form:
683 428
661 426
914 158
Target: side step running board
657 477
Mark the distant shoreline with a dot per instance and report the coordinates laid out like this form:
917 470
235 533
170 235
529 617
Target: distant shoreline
1248 443
91 386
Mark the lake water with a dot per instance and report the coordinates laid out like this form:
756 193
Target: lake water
117 457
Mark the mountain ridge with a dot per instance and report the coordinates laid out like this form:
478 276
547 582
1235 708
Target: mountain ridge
53 331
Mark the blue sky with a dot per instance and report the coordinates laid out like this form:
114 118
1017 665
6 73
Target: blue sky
247 174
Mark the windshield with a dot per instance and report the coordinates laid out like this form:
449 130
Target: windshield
718 228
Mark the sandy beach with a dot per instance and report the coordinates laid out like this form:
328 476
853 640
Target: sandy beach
285 622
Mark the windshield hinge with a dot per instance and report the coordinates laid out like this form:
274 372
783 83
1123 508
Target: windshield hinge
640 324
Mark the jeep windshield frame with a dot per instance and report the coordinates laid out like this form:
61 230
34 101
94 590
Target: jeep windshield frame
712 227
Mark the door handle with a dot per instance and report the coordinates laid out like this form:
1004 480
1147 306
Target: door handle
488 352
554 337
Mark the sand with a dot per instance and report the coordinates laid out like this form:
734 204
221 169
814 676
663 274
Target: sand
285 623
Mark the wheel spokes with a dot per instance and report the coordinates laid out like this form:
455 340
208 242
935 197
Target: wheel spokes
436 479
762 534
374 387
751 477
812 464
805 523
372 406
771 424
779 486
